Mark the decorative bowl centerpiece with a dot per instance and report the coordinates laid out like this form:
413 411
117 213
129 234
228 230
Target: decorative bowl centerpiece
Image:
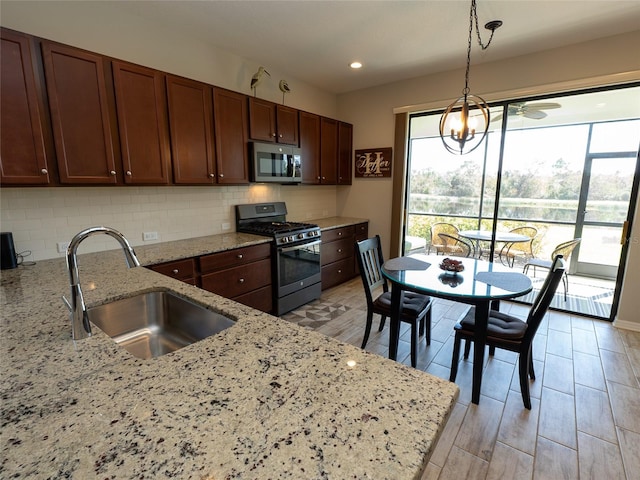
452 266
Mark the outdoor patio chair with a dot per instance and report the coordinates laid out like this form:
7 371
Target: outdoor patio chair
510 251
436 242
565 249
455 245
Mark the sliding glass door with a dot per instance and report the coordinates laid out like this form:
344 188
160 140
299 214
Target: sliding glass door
565 166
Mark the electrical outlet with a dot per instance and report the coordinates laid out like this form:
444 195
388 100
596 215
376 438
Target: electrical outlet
148 236
62 247
226 226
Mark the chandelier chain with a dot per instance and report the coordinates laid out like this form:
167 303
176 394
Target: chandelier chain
473 16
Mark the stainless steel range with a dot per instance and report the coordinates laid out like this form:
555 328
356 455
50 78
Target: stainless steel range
296 252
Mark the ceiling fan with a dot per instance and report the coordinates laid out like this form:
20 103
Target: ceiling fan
528 110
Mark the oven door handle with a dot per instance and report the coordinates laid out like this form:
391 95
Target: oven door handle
290 249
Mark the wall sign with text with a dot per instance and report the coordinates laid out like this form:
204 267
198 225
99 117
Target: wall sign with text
373 163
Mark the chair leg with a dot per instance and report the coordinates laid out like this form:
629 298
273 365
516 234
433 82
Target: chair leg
467 348
565 283
367 329
455 358
421 331
532 373
428 327
383 318
414 344
523 367
492 350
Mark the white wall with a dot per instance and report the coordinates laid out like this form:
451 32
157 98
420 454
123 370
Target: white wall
371 111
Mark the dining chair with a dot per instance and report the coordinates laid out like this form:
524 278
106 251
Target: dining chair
565 249
509 332
436 241
511 250
455 245
416 308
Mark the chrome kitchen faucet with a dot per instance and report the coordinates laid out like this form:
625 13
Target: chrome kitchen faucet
80 326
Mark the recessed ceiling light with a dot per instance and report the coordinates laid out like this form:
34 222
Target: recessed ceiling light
355 65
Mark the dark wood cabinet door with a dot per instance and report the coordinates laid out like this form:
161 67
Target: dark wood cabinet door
329 151
231 125
262 120
191 131
345 153
287 122
310 147
142 122
80 114
23 158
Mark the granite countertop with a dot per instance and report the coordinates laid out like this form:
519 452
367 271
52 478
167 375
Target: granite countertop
263 399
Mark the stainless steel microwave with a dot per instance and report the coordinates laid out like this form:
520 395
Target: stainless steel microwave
275 163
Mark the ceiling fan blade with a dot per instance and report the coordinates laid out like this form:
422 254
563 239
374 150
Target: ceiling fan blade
535 114
544 105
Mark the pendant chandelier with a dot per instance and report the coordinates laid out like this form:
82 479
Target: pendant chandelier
465 122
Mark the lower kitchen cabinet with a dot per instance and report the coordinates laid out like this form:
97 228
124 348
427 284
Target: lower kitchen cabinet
242 274
339 262
183 270
337 257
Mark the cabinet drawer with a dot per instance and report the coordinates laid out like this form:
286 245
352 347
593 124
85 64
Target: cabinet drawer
180 270
231 258
260 299
362 231
338 250
337 234
237 281
337 273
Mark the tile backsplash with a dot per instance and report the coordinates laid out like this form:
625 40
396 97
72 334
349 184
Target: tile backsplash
40 218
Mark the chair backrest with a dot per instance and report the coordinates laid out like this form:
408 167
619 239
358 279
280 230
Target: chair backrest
370 261
442 227
454 245
544 297
566 249
526 247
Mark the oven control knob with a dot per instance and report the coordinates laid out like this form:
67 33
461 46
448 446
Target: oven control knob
301 236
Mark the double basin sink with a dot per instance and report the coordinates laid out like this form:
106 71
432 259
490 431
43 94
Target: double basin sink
155 323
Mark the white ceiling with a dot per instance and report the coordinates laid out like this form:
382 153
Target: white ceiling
314 41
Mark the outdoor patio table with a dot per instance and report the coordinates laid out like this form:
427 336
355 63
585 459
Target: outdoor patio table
479 284
485 236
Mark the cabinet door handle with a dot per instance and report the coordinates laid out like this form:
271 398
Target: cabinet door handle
273 134
175 271
339 250
112 172
281 135
44 171
211 175
128 173
241 280
324 178
240 255
221 175
339 271
339 234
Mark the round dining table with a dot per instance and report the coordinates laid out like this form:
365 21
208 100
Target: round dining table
480 283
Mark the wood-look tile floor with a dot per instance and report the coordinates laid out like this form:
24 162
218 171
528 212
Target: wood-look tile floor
585 416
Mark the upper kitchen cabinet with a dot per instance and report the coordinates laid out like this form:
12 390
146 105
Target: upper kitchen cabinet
345 153
81 114
191 131
142 122
23 157
231 136
328 151
310 147
269 122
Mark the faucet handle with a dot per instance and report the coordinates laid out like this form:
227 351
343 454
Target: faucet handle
66 302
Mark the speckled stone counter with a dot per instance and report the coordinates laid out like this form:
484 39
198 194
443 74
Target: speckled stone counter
263 399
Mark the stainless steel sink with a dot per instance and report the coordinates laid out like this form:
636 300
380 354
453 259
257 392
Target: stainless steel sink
151 324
